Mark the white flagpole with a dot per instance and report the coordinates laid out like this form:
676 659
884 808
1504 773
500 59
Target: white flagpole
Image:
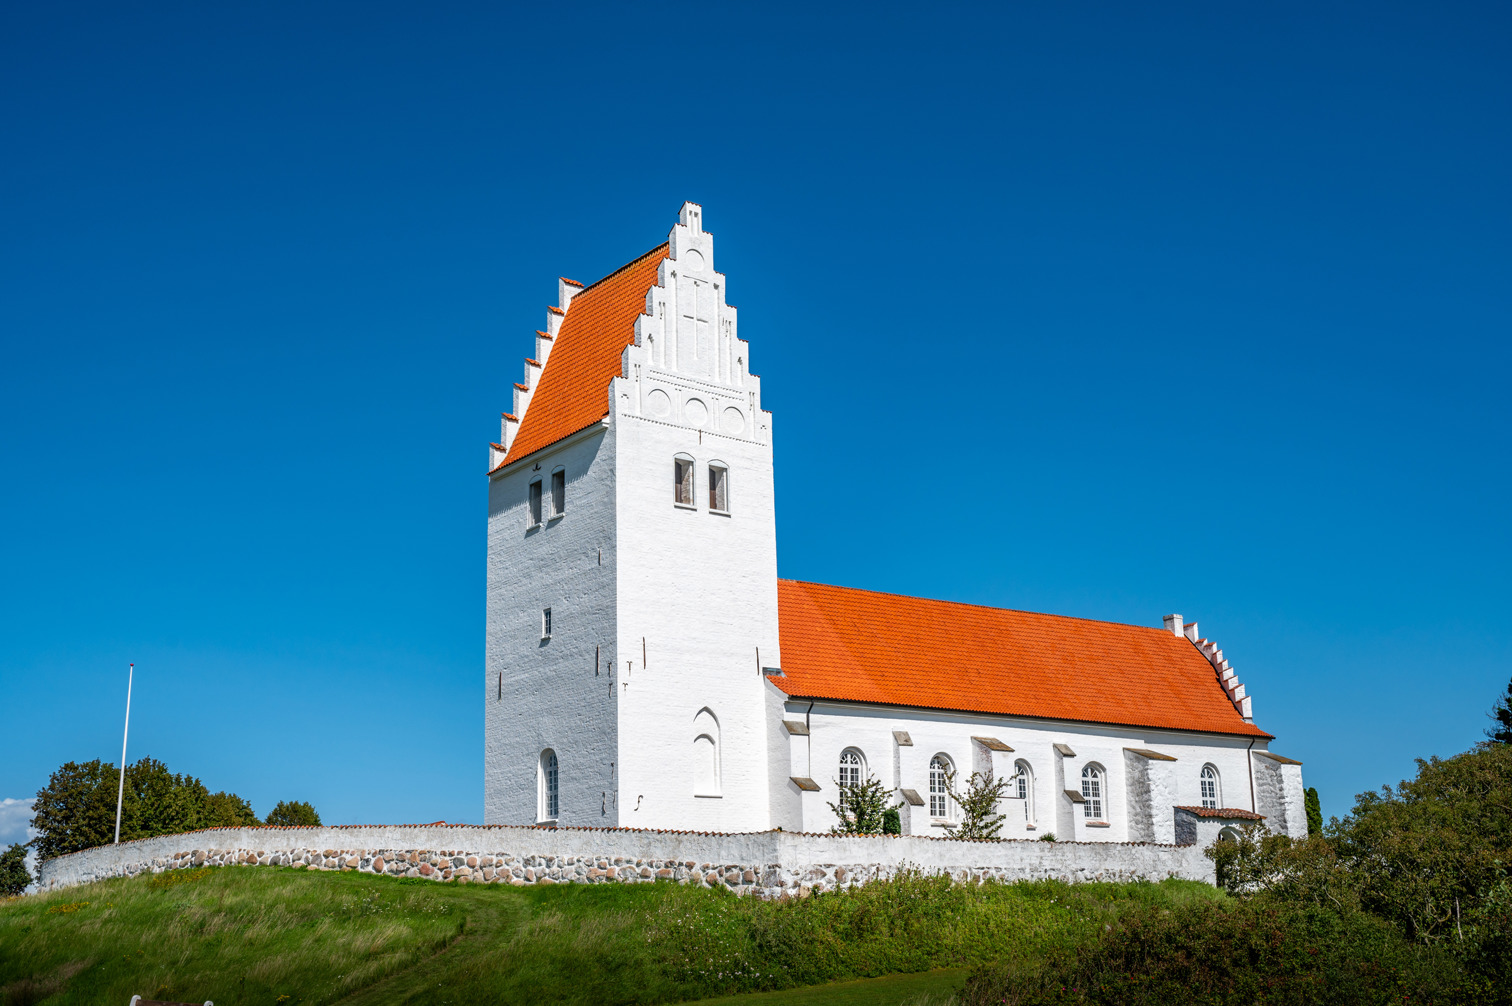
121 789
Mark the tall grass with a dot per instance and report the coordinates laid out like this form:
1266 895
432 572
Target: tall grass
271 936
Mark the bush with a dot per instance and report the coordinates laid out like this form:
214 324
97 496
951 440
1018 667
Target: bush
294 814
1236 955
14 877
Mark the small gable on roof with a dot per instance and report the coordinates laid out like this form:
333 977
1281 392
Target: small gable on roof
863 646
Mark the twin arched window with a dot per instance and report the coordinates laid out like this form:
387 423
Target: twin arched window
1209 785
852 767
939 786
718 481
1094 788
546 787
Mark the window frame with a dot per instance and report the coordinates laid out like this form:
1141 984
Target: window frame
1094 804
1024 789
533 504
719 487
558 492
1209 776
940 766
856 765
546 622
548 787
684 482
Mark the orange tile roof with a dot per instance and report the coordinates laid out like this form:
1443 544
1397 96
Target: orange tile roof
573 392
864 646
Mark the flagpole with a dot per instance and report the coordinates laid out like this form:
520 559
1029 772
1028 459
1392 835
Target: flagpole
121 789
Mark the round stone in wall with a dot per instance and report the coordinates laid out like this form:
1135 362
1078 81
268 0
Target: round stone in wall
695 413
658 403
733 421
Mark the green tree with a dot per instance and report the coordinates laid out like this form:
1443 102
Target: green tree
292 813
862 809
76 809
1314 812
978 805
14 877
1501 718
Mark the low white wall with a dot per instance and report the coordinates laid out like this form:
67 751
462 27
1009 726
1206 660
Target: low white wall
768 863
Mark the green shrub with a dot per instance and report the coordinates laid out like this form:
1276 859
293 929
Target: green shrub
294 813
1237 955
14 877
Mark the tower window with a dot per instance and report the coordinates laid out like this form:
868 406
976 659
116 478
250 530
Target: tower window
547 803
535 503
682 480
719 492
558 493
545 623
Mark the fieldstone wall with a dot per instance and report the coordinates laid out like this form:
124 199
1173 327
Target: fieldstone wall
766 864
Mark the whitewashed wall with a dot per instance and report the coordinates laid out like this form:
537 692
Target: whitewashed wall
764 864
835 726
557 694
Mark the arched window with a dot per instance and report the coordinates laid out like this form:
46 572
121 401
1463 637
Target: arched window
546 785
852 767
558 491
1023 788
682 480
705 753
1210 792
939 789
719 487
1094 792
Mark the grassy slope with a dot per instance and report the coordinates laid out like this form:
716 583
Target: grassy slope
268 936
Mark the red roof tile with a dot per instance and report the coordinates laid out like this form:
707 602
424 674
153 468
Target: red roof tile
1229 813
864 646
573 392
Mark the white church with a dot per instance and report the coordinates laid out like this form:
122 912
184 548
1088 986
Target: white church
646 668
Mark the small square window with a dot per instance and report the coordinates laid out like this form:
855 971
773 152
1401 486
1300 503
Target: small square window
682 481
545 623
558 493
535 502
719 492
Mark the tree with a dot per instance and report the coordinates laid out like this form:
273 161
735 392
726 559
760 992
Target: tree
14 877
1501 717
290 813
77 808
979 817
862 809
1314 812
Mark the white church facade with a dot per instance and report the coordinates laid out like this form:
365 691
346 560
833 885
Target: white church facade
646 668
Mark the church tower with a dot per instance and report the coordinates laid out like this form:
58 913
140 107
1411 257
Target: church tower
632 567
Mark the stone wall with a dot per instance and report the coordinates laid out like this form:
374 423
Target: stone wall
766 864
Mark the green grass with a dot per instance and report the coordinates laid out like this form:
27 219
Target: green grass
928 988
240 935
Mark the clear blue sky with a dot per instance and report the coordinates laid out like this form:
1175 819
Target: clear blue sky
1100 310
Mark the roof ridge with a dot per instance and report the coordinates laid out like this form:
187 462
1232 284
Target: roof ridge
972 604
633 262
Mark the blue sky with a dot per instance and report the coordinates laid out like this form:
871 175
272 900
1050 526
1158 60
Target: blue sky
1076 308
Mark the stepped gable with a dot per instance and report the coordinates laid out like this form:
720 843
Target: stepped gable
580 354
863 646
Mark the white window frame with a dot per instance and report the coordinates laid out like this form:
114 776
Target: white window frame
940 805
533 504
548 787
1094 789
852 764
684 492
719 487
546 623
1210 787
558 492
1023 788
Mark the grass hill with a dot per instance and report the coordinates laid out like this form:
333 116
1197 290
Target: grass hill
281 937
